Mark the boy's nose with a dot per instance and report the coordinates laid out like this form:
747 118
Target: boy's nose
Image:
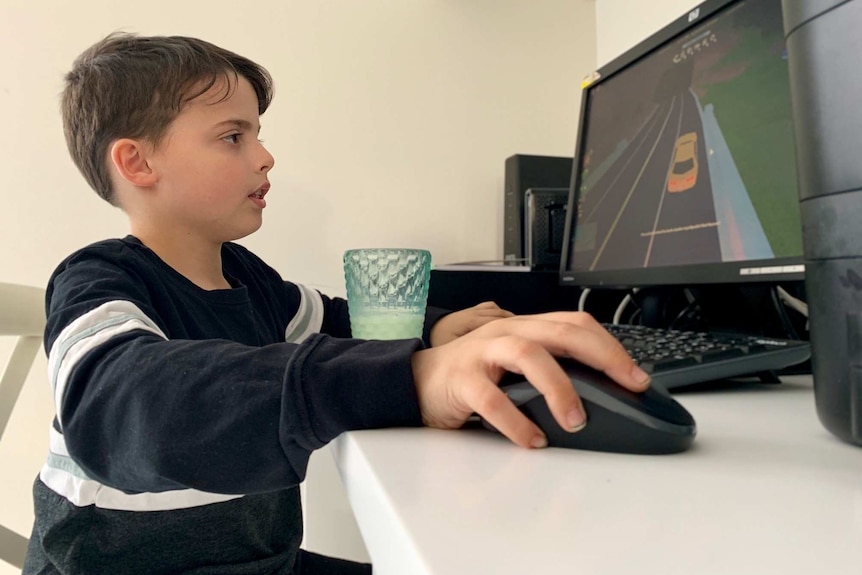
267 161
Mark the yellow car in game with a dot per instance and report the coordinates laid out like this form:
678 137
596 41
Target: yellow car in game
683 172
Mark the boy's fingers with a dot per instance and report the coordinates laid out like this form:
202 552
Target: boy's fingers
581 338
491 309
523 345
496 409
577 318
486 305
531 360
478 321
544 373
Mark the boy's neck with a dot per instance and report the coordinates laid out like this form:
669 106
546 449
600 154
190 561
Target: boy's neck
199 261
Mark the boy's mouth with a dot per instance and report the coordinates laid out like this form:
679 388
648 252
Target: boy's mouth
260 192
257 196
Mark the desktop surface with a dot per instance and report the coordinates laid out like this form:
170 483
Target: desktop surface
765 489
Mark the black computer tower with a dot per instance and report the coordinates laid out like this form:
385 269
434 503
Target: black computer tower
523 172
544 224
823 45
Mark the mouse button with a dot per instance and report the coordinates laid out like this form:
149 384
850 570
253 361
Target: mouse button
659 405
520 392
591 383
509 378
609 431
664 406
596 387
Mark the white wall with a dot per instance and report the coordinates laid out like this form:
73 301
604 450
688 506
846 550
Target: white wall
382 107
391 122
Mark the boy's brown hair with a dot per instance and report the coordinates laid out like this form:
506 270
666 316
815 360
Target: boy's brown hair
128 86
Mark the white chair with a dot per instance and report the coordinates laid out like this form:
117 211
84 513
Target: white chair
22 315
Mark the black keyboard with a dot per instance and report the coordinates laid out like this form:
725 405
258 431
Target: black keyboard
677 358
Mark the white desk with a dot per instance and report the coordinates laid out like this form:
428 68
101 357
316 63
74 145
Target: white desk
765 490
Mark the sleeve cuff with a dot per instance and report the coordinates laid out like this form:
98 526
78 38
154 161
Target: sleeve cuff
432 316
347 384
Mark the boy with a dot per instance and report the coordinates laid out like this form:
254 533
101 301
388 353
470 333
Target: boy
191 382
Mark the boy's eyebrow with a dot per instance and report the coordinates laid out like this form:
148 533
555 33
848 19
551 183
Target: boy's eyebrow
239 123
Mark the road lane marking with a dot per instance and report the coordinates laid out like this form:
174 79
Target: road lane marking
689 228
666 177
632 190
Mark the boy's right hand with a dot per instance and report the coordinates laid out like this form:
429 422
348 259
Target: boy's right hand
455 380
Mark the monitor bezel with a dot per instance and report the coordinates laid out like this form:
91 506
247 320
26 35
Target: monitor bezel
736 272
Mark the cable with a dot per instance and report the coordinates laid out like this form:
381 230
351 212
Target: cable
582 301
619 313
686 312
782 315
792 302
682 314
620 308
689 296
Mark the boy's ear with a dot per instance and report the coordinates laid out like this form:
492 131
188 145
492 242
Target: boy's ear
130 160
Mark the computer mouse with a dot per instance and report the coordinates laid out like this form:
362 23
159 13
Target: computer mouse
618 420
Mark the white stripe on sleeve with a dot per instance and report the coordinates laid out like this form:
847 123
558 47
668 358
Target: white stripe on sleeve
87 333
309 317
66 478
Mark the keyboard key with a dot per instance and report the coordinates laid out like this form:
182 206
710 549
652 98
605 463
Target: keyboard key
655 365
678 358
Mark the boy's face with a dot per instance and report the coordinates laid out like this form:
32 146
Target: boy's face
212 169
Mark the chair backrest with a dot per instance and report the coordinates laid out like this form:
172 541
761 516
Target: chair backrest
22 315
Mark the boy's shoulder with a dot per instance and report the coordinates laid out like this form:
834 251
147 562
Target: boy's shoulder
111 249
131 258
116 251
130 247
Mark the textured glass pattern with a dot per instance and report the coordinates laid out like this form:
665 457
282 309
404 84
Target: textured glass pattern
386 291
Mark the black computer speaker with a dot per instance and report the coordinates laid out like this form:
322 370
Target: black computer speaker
823 48
523 172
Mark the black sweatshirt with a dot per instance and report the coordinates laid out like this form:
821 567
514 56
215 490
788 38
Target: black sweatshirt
186 417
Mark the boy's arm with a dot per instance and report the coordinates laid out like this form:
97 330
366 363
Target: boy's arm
460 323
433 315
142 412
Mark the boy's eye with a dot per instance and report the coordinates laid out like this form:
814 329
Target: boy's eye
233 138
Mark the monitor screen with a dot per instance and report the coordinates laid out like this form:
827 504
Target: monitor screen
684 169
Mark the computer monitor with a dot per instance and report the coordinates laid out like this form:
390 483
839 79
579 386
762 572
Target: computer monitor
684 169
